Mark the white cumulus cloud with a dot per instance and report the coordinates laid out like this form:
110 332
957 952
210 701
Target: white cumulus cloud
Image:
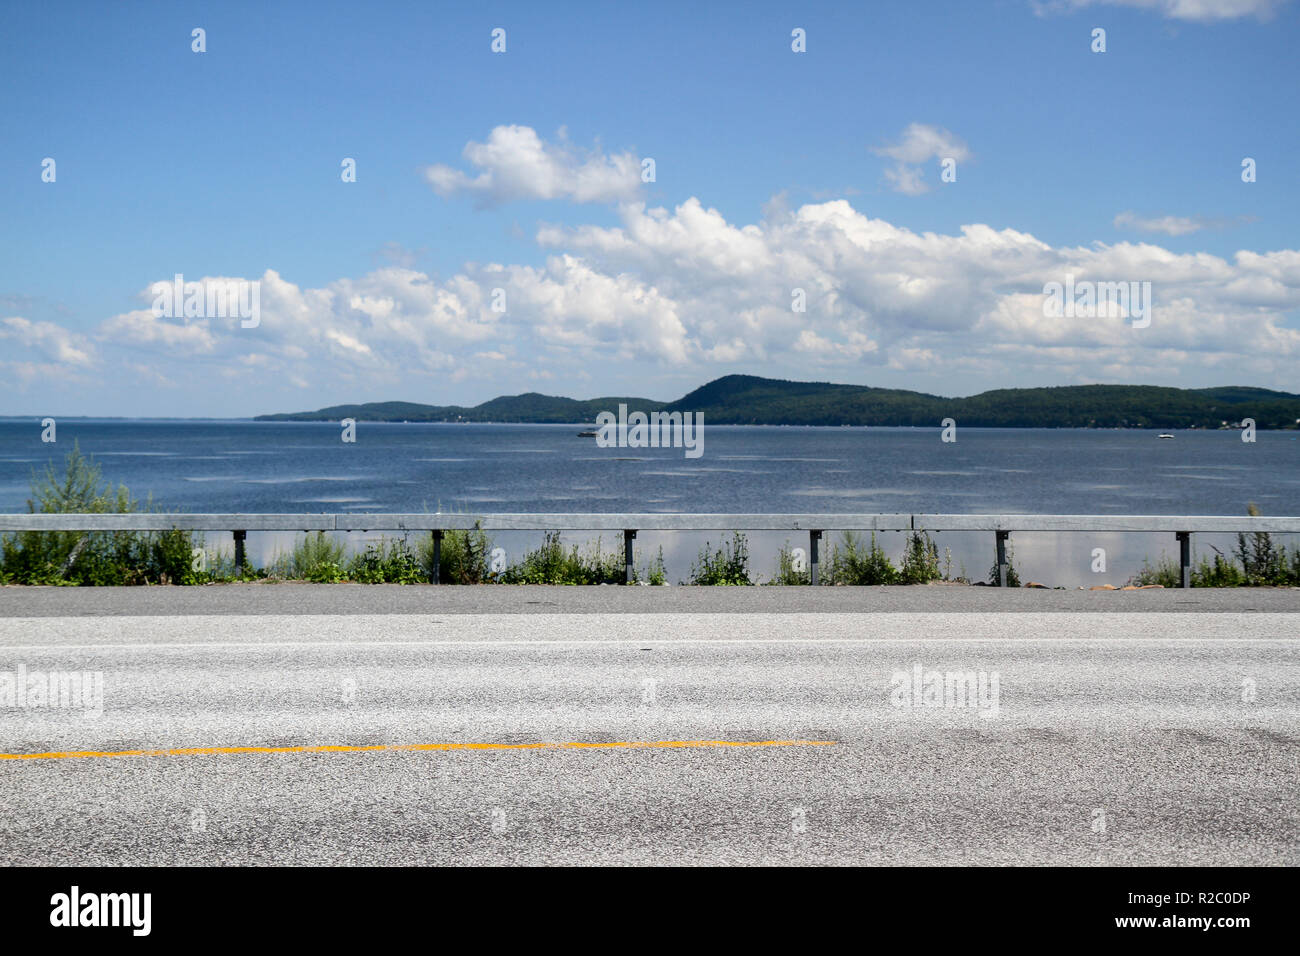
53 340
686 293
515 163
918 144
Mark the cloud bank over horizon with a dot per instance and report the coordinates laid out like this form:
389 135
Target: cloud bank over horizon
684 294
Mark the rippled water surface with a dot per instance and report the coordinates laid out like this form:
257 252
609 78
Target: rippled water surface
224 466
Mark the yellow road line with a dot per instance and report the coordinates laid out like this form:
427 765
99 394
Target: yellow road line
346 748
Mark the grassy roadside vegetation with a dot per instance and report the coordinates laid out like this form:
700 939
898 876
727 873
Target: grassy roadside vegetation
94 558
74 558
466 557
1257 561
855 560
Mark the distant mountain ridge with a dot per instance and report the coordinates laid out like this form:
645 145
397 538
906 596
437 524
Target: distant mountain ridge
750 400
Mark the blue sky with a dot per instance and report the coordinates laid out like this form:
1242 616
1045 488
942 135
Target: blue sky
773 171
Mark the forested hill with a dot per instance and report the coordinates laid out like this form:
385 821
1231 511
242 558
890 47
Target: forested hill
749 400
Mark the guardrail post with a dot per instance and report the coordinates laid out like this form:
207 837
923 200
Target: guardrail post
814 563
239 551
1184 558
1002 557
628 572
437 557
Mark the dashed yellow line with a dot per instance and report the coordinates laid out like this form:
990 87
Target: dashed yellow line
347 748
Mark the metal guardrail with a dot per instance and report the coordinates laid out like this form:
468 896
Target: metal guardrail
1183 526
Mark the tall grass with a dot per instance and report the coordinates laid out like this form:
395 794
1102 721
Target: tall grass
726 565
168 557
855 561
93 557
1256 562
464 557
387 561
788 572
862 562
920 560
317 557
552 563
1013 576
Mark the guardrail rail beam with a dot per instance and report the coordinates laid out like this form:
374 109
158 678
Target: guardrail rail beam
1183 526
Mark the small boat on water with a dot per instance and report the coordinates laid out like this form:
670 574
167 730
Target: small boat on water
1164 435
586 434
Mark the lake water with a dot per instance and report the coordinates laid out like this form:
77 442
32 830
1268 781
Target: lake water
227 466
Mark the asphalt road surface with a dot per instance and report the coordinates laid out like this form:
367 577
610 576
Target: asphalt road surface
317 725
